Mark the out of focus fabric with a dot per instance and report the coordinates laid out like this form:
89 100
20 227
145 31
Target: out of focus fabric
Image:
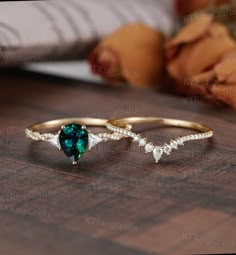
45 30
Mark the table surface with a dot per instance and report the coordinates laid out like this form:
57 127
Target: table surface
116 201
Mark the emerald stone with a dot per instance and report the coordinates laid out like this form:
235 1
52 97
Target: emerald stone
74 141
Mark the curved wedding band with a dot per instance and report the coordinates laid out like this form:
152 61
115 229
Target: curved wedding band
115 126
71 135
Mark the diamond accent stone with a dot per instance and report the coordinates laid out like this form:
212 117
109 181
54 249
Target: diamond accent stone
174 144
94 140
55 141
149 147
157 153
136 138
142 142
167 149
180 141
132 135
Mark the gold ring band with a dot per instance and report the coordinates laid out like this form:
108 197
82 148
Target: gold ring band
72 135
115 126
74 138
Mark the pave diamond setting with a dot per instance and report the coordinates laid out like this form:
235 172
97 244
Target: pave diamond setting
174 144
167 148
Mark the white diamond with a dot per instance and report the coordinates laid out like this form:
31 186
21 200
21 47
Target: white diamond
129 133
180 141
93 140
142 142
149 147
188 138
125 132
136 138
174 144
167 149
157 153
55 141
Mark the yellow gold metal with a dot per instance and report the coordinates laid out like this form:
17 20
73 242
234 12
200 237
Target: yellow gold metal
161 121
34 131
53 124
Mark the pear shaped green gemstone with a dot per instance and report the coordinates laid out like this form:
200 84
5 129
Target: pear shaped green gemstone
74 141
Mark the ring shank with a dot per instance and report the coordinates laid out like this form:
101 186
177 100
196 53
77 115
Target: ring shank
56 124
161 121
38 132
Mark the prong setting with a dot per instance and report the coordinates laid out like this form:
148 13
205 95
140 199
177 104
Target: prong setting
142 142
149 147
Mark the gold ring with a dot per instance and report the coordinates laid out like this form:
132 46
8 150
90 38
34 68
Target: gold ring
71 135
115 126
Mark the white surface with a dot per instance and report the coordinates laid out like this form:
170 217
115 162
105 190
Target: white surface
71 69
